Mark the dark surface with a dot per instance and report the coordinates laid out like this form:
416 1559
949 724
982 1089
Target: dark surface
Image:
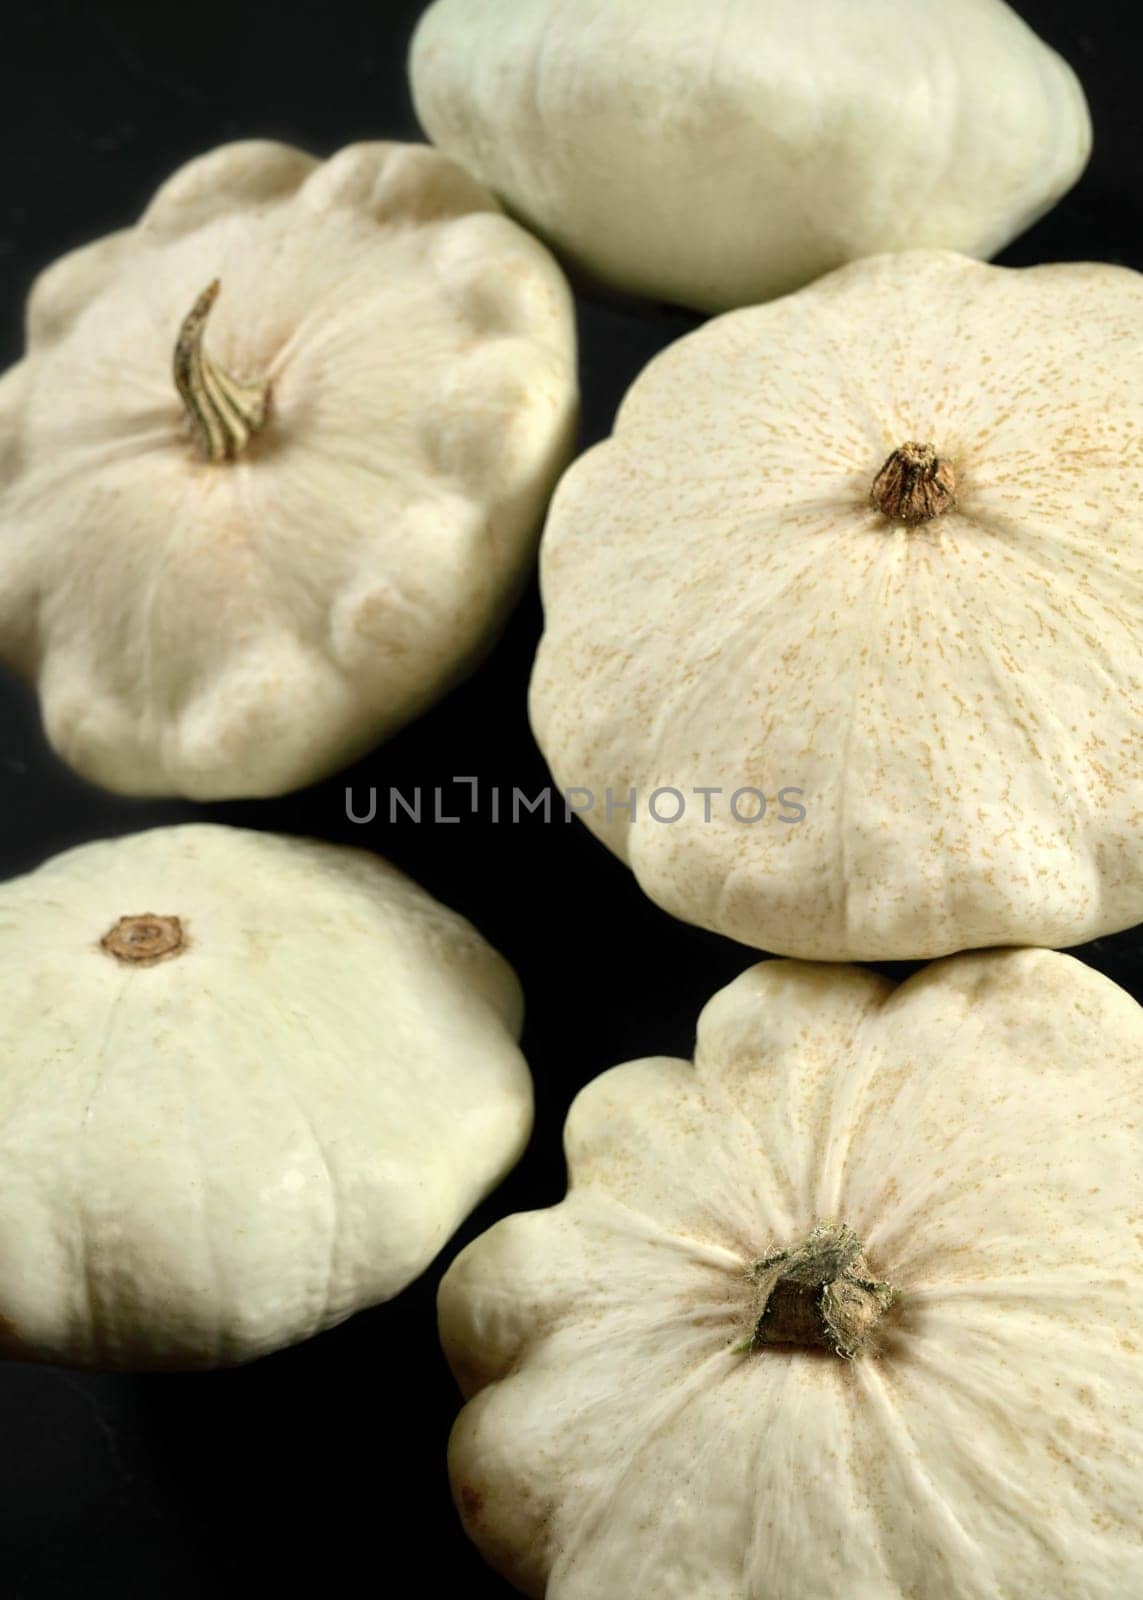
325 1465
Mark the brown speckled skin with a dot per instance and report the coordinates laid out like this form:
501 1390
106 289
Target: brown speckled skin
978 1127
961 702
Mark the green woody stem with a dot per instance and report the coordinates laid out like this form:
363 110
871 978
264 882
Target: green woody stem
224 413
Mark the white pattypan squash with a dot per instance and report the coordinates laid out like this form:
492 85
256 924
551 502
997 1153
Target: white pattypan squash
249 1085
241 541
719 152
850 1309
868 564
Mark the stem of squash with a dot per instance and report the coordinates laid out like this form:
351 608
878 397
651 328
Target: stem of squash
914 485
821 1294
224 413
144 940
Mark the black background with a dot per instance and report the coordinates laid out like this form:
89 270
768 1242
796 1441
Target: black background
324 1465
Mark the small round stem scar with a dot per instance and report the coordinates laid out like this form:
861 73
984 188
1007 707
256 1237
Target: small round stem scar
145 940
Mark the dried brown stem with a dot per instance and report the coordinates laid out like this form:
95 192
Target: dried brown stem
915 485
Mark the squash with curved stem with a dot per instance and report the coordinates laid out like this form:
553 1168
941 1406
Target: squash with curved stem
233 577
251 1085
851 1307
869 559
720 152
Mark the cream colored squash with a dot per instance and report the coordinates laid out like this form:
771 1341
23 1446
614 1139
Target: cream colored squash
742 591
719 152
850 1309
232 577
250 1085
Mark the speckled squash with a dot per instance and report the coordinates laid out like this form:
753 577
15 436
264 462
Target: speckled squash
231 578
850 1309
876 548
249 1085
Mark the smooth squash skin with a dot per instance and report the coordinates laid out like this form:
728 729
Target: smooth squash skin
250 1085
876 547
274 464
950 1170
720 152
